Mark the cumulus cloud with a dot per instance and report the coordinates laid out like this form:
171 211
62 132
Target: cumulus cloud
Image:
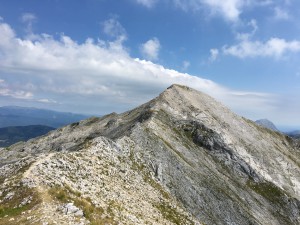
150 49
147 3
96 76
274 47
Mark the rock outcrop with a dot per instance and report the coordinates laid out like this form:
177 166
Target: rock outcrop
182 158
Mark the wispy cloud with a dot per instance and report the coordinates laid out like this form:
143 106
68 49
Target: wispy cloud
150 49
28 19
113 28
281 14
214 53
45 100
252 24
147 3
229 9
7 91
185 65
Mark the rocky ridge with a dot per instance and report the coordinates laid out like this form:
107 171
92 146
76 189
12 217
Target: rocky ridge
182 158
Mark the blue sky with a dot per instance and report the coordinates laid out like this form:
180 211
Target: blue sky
99 56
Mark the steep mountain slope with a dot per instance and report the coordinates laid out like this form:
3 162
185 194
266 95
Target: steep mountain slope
267 124
24 116
182 158
12 135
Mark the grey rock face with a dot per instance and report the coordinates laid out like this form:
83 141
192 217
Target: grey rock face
70 208
182 158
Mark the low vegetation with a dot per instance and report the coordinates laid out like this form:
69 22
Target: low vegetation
95 215
22 199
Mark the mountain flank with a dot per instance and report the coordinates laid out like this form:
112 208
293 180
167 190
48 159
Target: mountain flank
182 158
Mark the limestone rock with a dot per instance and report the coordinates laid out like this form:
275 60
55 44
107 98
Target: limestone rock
182 158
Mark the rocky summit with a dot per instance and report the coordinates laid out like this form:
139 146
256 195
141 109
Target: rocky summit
182 158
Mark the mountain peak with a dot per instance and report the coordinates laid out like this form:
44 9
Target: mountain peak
182 158
180 86
267 124
182 96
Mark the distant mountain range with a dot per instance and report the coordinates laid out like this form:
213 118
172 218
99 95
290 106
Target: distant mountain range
270 125
24 116
294 134
12 135
267 124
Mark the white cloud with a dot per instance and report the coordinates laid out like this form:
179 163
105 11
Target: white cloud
150 49
245 36
45 100
185 65
16 94
274 47
6 91
6 35
97 77
261 2
147 3
113 28
248 47
28 19
214 53
228 9
281 14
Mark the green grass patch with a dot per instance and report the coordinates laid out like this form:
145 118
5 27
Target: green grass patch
267 190
172 215
11 207
91 212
